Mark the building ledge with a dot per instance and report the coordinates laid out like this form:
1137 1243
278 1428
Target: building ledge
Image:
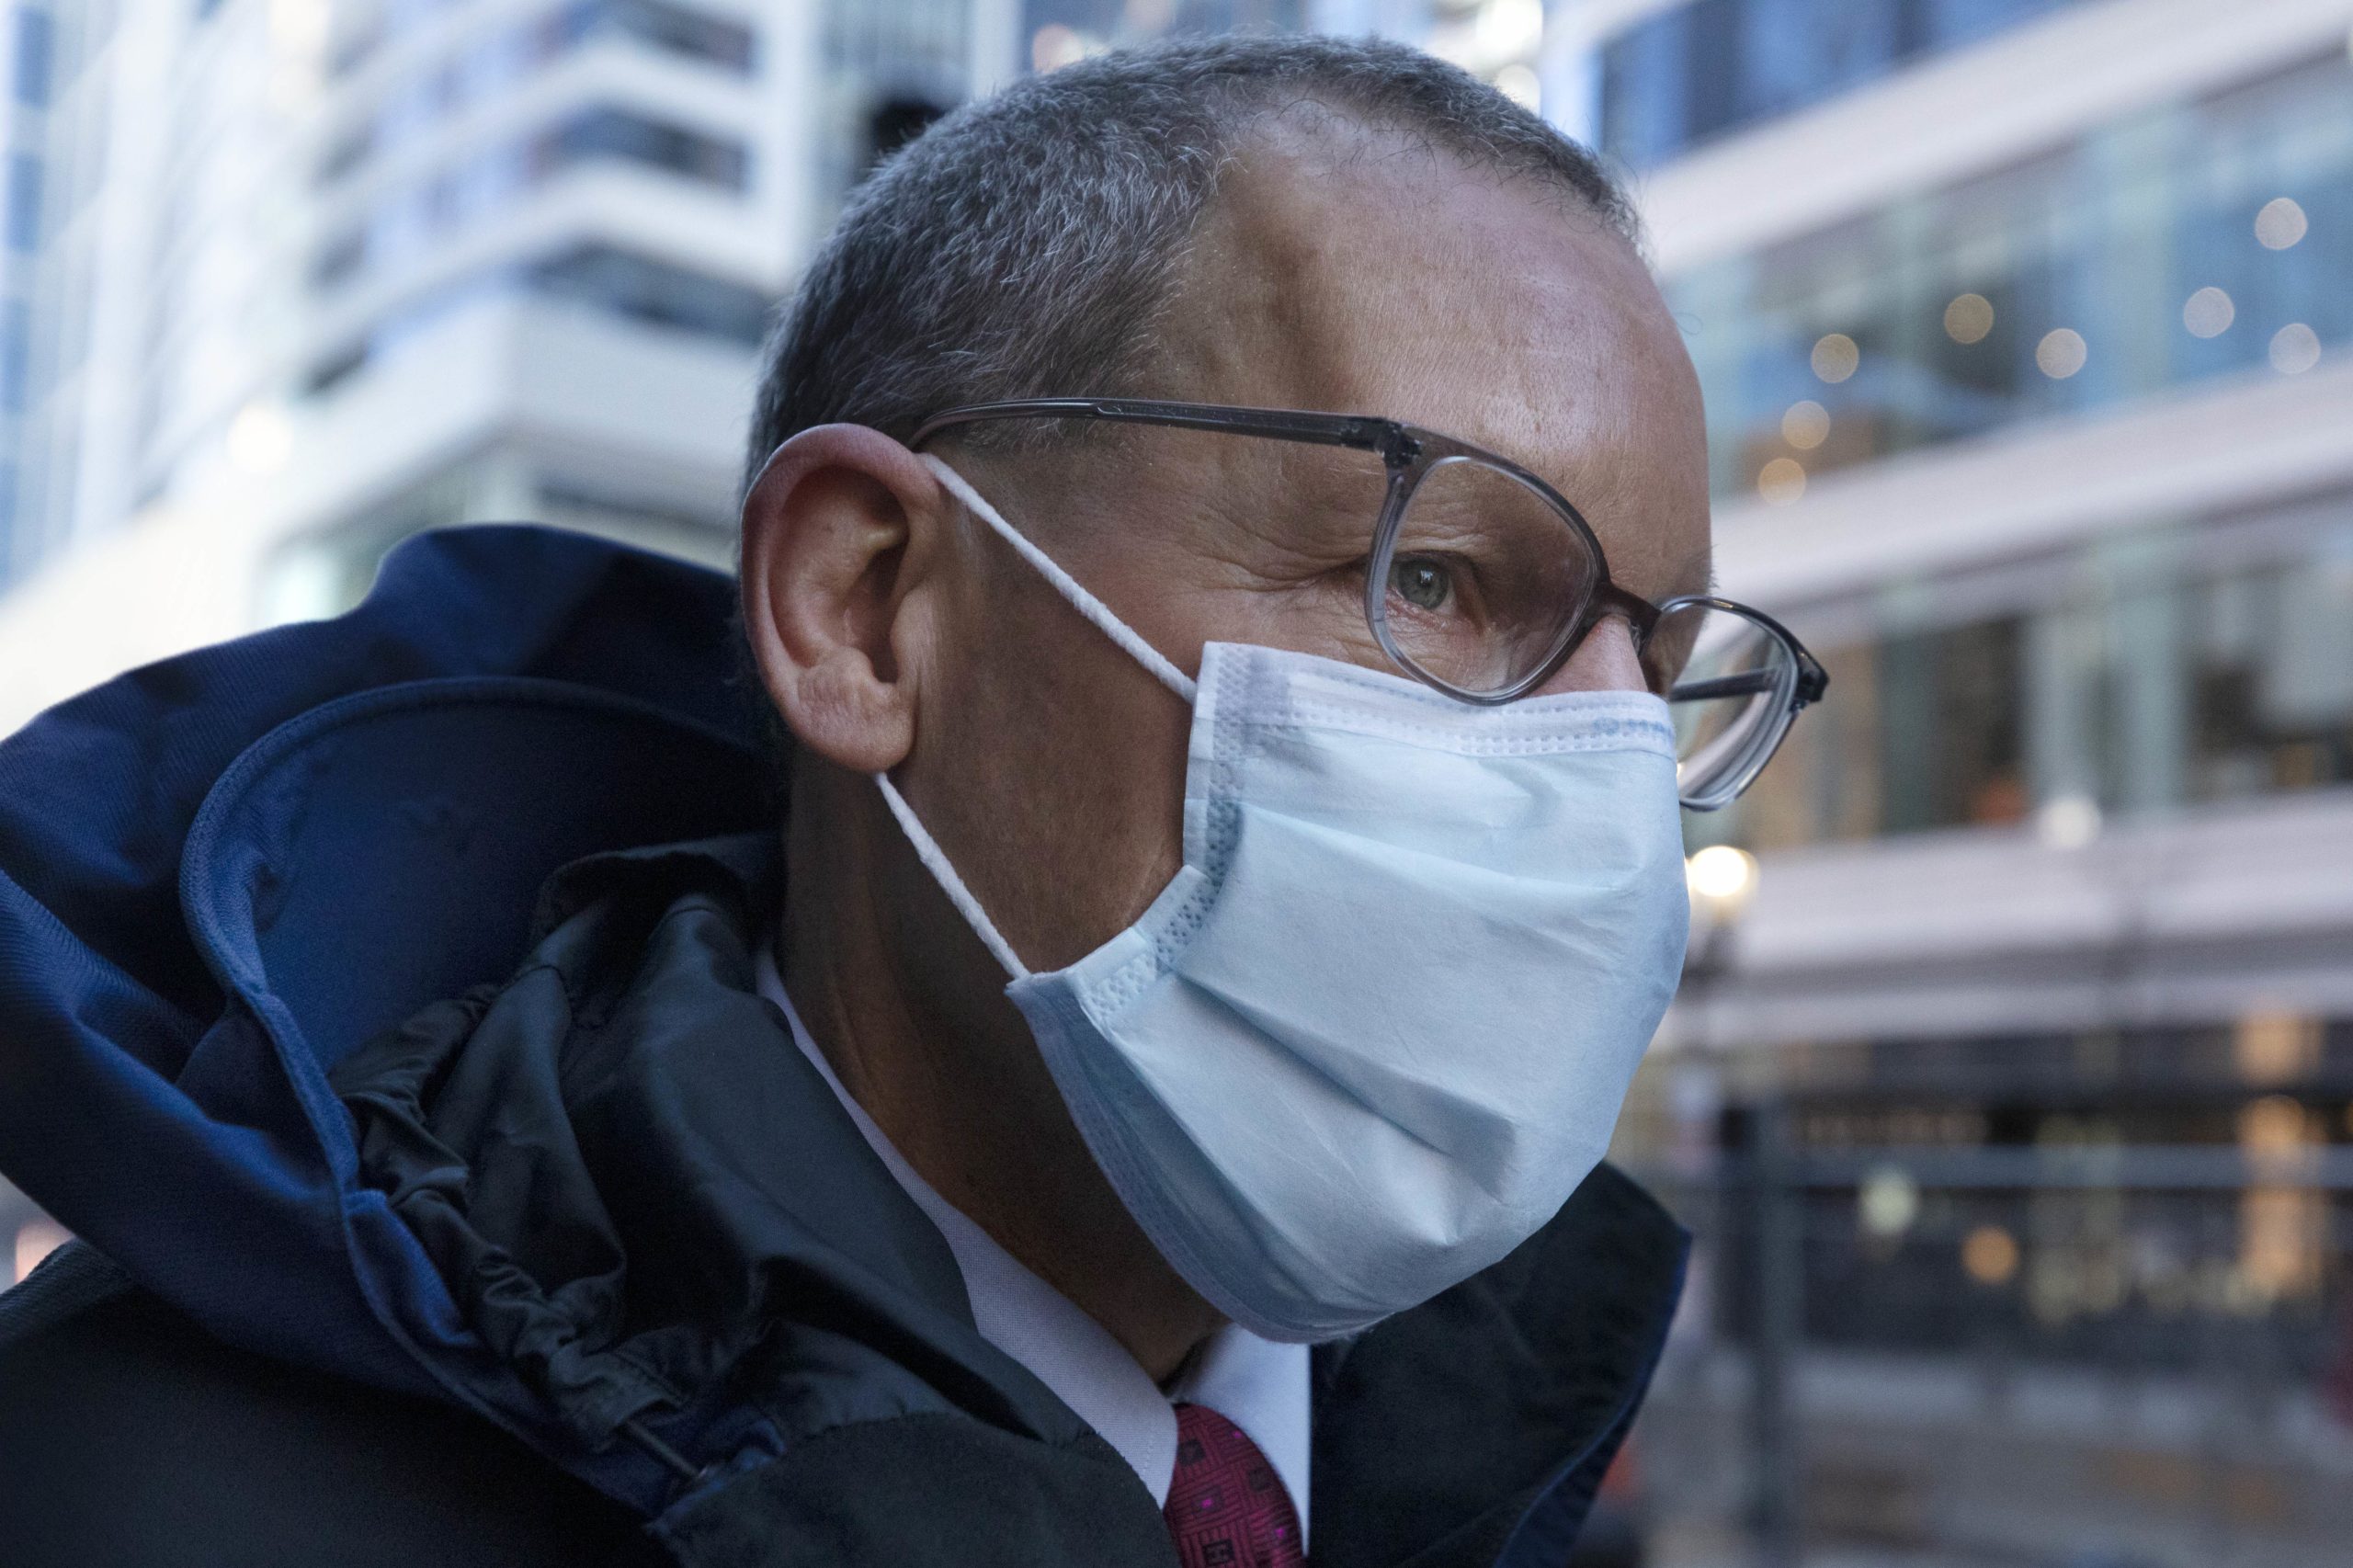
2229 444
2200 916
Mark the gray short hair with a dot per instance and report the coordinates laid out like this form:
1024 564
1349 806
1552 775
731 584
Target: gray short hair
1024 245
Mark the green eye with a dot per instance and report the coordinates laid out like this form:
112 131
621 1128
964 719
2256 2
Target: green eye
1421 581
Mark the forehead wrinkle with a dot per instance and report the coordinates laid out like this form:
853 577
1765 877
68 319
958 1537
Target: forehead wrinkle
1246 315
1320 278
1361 273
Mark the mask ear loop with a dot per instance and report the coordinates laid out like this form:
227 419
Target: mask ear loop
1086 603
928 849
935 860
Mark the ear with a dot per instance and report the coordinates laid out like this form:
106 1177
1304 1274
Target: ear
837 529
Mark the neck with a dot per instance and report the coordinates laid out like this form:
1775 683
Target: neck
943 1062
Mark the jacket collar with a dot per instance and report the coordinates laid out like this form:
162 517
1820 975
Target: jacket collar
1464 1431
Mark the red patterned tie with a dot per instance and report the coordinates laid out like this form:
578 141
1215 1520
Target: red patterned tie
1226 1505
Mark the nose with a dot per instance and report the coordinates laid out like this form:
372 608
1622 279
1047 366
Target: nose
1604 661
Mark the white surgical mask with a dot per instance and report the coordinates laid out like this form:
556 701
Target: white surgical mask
1377 1029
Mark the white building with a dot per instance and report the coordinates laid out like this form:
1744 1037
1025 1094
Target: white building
317 275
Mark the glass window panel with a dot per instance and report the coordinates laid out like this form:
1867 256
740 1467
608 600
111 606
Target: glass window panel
1676 79
15 328
2102 243
24 201
36 35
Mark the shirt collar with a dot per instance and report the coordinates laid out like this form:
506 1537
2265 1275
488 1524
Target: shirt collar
1257 1384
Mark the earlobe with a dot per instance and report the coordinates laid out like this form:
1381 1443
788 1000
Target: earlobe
836 532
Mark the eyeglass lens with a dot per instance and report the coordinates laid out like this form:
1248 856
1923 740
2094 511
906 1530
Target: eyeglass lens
1484 579
1732 681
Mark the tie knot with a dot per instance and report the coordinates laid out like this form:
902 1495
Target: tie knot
1227 1507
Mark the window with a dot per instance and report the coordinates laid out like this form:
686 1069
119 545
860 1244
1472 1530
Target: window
2001 298
618 282
675 28
1679 78
658 292
406 221
24 201
617 134
2140 672
2269 657
36 40
1119 22
671 28
15 326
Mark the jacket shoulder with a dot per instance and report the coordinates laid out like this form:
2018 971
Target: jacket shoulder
130 1437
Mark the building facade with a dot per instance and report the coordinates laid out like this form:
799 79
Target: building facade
2024 328
313 276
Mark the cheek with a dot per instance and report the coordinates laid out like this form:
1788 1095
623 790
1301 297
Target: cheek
1059 763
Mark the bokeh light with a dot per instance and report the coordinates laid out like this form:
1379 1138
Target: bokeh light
1990 1255
1836 356
1722 874
2281 223
1519 83
2295 348
260 440
2068 821
1969 318
2207 313
1782 481
1807 424
1888 1201
2061 353
1055 46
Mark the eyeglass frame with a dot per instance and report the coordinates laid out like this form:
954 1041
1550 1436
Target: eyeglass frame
1409 453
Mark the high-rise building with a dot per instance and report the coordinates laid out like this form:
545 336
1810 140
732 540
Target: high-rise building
2024 328
313 276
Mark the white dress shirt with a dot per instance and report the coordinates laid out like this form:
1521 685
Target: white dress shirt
1257 1384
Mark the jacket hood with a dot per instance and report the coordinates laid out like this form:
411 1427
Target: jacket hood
221 873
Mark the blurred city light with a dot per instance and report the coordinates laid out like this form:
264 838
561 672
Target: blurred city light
1969 318
1782 481
2281 223
2068 821
2207 313
1888 1201
1990 1253
1806 425
260 440
1836 356
1721 879
2061 353
2295 348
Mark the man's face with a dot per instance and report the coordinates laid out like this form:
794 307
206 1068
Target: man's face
1341 270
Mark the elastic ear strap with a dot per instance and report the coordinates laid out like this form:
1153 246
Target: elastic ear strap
1086 603
935 860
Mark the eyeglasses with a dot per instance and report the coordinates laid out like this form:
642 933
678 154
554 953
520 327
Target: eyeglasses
1482 579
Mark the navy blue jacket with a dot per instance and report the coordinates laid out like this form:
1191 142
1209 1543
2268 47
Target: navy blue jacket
376 1006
